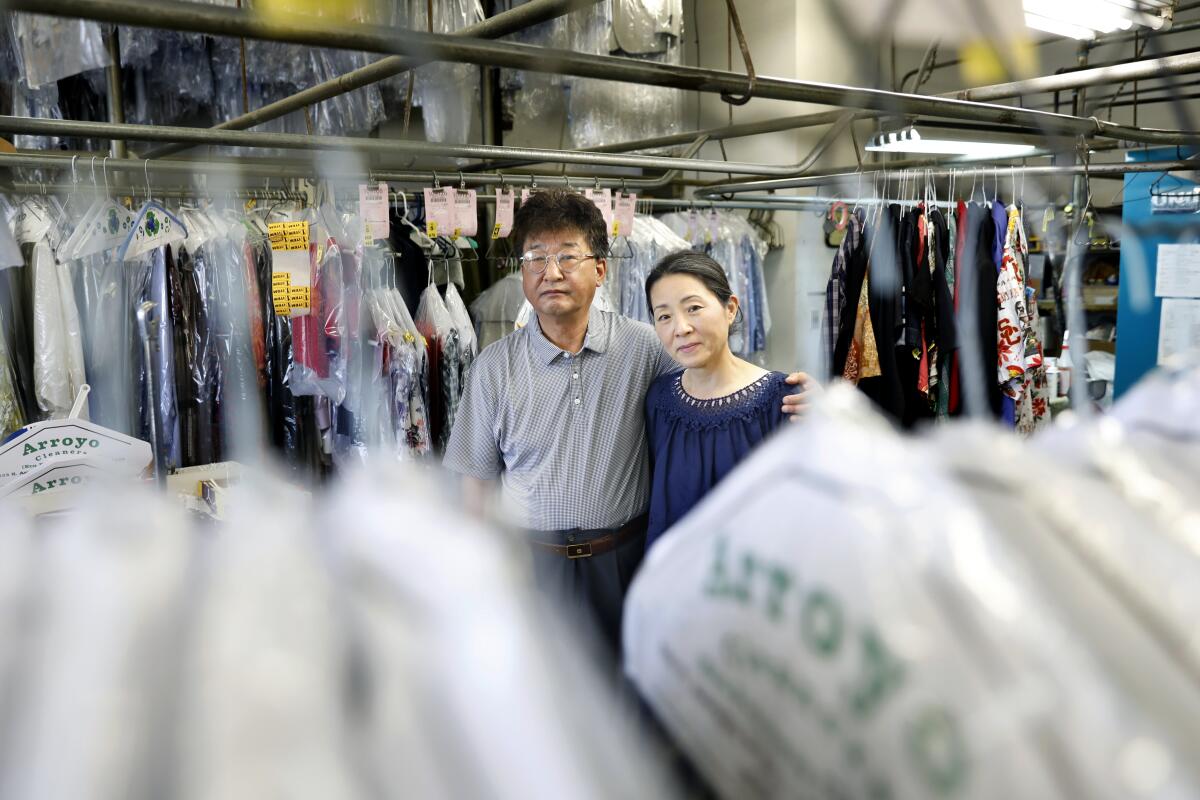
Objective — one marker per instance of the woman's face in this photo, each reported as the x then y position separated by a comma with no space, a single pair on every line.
690,320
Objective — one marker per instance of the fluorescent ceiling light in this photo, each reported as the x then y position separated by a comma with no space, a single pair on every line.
910,141
1083,19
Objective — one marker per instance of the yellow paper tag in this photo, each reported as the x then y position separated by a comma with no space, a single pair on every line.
368,234
251,204
298,297
1047,216
616,230
408,337
288,235
431,229
496,231
281,283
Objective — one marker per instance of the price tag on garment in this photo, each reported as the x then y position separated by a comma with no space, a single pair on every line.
288,236
439,212
504,213
693,225
466,213
32,222
373,211
713,228
623,209
281,285
602,199
291,267
524,196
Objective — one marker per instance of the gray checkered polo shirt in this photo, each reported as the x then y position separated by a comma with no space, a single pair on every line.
564,432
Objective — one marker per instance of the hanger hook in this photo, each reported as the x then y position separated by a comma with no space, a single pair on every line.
74,177
146,169
462,182
503,185
437,184
104,169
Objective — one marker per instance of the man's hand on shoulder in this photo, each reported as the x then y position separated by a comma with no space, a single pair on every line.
795,405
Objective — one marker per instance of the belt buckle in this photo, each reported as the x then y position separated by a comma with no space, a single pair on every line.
583,550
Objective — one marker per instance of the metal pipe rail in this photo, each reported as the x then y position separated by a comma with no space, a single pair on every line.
221,21
254,169
293,141
715,191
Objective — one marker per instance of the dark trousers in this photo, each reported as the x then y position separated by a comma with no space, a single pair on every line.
589,591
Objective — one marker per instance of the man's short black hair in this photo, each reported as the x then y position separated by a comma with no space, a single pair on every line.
559,209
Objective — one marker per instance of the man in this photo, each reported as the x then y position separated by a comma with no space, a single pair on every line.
554,411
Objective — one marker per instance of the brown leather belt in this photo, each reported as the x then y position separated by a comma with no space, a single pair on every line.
597,546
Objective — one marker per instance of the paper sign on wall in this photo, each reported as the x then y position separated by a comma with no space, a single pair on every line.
1179,327
504,213
439,212
1178,273
623,210
291,270
466,213
373,211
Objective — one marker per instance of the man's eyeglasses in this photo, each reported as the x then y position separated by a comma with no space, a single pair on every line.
567,262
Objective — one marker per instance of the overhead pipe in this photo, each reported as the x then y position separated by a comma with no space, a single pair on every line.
222,21
507,22
294,141
717,190
262,168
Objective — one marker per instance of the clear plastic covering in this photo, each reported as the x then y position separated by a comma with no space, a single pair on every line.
495,310
957,634
11,417
58,367
313,649
319,367
633,258
41,103
52,48
604,112
448,94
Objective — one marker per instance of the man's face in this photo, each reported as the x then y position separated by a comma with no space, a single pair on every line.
553,292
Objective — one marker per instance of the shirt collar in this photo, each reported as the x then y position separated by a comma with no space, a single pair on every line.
596,339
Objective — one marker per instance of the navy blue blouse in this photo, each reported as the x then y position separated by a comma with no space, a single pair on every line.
695,443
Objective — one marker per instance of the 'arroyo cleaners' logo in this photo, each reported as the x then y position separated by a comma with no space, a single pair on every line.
59,446
55,483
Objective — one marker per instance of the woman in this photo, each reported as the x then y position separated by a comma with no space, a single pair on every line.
701,421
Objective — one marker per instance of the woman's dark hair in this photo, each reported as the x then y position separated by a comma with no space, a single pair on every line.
558,209
688,262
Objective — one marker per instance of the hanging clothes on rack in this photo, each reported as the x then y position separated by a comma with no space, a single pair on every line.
941,262
649,241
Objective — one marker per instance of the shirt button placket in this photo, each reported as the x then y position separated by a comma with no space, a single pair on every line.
576,384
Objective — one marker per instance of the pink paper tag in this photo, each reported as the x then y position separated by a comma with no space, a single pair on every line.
504,213
466,218
623,208
439,212
524,196
602,198
373,210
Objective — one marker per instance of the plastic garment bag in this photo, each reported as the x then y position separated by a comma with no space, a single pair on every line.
109,336
447,93
109,595
148,284
197,367
648,243
320,365
436,325
11,417
58,369
912,626
495,310
16,326
53,48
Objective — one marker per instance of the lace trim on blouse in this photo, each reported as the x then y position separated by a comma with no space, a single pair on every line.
745,403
